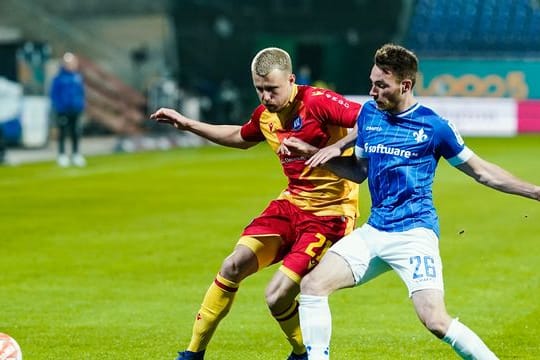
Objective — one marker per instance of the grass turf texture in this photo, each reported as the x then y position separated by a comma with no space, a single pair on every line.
111,261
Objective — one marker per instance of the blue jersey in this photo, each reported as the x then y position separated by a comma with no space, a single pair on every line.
402,152
67,92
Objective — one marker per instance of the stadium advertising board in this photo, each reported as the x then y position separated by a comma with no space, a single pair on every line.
477,116
529,116
515,79
483,116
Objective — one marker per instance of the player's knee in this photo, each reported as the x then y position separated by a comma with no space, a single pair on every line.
280,295
237,267
310,285
430,308
437,324
273,299
231,269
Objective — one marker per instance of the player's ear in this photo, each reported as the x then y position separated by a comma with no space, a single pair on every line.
292,78
406,85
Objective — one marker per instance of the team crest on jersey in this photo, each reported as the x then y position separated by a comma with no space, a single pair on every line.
297,123
420,135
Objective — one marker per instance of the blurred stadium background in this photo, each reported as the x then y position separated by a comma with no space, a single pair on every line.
111,261
194,55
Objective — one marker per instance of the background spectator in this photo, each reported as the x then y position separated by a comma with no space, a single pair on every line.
67,98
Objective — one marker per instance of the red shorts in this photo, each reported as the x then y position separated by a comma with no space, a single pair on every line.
305,237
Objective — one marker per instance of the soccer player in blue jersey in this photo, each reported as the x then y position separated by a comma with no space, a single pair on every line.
398,145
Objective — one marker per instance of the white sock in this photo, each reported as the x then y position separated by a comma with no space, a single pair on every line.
316,325
466,343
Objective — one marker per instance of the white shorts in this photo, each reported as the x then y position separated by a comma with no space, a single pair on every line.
413,254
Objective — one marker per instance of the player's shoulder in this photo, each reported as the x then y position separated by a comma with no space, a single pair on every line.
314,94
423,110
307,93
437,122
251,130
433,116
320,97
370,105
369,108
256,115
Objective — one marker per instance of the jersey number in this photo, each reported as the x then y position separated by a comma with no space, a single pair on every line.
429,266
322,243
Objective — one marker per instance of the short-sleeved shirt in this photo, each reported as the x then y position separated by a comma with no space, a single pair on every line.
319,117
403,151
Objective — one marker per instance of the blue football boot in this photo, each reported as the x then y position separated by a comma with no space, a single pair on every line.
190,355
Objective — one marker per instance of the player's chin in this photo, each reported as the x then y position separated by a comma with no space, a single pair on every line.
273,108
381,105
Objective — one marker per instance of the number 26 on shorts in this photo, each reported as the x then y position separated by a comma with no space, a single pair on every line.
424,266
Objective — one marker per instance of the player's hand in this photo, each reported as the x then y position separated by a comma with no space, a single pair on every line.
293,145
172,117
324,155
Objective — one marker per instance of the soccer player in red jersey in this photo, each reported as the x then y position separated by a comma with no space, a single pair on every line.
315,210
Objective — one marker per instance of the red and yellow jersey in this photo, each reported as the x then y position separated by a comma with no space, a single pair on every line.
319,117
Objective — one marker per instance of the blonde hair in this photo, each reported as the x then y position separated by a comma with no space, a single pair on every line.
270,59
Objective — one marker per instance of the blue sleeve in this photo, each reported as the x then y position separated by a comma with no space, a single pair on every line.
359,145
451,145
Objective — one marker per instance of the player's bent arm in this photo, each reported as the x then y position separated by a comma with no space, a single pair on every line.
348,167
322,156
348,140
495,177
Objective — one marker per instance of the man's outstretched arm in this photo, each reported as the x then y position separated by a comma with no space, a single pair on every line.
226,135
497,178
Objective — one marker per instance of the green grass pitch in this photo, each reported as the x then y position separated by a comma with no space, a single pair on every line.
111,261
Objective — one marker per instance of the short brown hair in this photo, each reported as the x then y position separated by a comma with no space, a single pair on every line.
398,60
270,59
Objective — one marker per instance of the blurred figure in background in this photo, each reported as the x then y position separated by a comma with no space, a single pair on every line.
304,75
228,102
2,147
68,101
